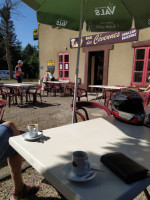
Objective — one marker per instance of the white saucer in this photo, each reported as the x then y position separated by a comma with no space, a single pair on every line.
68,173
27,137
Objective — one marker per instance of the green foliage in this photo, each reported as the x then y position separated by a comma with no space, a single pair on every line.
31,64
16,52
3,62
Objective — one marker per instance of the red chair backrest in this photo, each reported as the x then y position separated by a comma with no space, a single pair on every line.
2,108
82,104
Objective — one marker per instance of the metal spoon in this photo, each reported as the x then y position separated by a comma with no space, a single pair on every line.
96,169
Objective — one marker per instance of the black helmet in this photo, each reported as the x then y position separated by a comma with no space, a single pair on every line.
127,105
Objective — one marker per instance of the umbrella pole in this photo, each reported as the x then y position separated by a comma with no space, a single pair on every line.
77,65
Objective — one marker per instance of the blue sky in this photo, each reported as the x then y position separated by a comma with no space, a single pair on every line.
24,25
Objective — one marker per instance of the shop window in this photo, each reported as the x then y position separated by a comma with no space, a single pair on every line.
63,65
141,66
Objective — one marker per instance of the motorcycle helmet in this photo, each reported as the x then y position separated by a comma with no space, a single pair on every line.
127,106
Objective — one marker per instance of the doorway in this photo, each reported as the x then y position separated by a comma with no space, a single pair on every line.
96,65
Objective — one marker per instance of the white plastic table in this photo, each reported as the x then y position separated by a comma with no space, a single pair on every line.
98,87
108,87
61,83
96,137
22,86
58,82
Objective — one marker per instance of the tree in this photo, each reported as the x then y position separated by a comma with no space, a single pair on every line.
16,52
31,62
3,62
7,8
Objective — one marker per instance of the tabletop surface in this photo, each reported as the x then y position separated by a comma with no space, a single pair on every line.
19,84
96,137
58,82
107,86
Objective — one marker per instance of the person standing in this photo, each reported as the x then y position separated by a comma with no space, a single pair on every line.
18,71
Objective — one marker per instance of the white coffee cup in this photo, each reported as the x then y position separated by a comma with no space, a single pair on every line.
33,130
80,163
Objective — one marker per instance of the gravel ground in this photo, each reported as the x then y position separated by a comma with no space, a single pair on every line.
53,112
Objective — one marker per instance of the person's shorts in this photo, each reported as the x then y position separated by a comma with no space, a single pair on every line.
5,149
19,79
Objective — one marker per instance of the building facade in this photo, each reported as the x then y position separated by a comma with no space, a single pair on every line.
113,58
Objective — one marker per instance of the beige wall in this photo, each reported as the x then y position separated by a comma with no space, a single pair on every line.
53,41
120,64
144,34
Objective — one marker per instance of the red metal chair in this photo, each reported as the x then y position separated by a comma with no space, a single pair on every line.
108,94
2,108
3,92
48,88
81,93
13,93
34,91
80,105
146,98
57,88
69,89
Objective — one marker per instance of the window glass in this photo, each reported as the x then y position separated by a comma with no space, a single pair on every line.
61,58
139,65
138,77
66,58
148,74
66,74
61,74
66,66
60,66
63,65
148,67
140,53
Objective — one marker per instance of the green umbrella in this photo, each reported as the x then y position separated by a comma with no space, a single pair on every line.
99,16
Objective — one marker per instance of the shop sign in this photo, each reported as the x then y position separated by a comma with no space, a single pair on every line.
51,63
35,34
51,66
105,38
